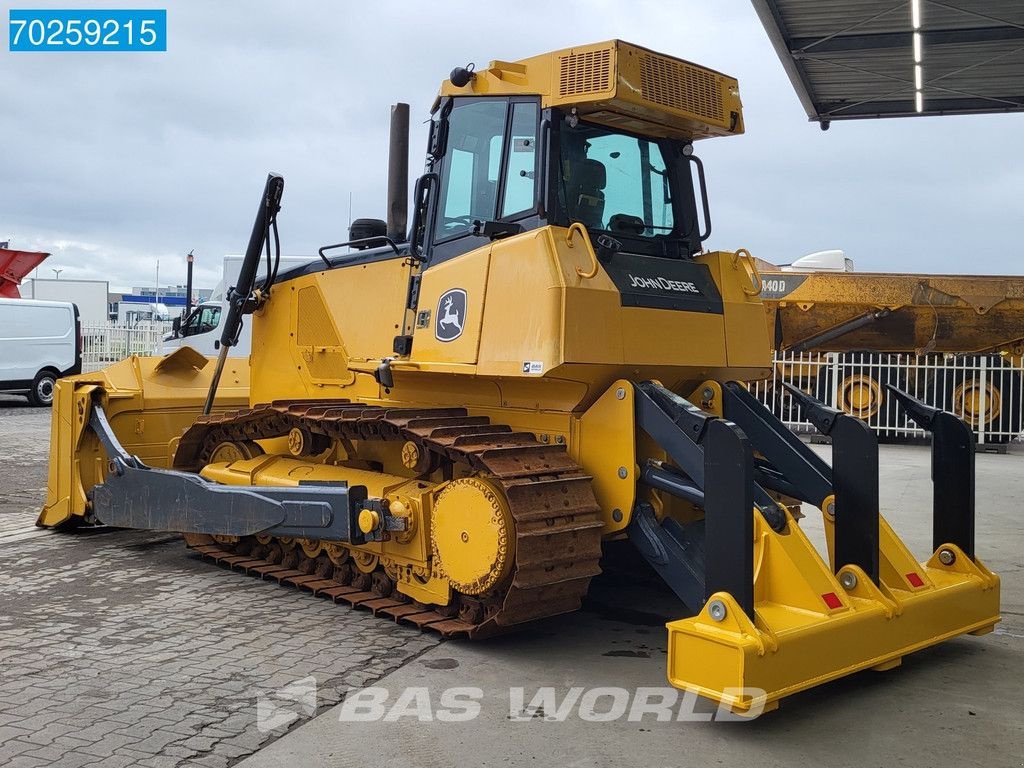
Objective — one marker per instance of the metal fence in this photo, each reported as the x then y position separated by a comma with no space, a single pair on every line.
110,342
984,390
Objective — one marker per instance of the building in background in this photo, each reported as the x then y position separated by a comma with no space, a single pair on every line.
169,298
90,296
173,292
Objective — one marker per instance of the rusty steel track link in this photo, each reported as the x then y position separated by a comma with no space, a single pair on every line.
556,517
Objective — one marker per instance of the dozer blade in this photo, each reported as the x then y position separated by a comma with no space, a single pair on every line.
149,402
776,618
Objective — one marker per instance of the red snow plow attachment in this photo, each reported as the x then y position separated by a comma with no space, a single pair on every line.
14,265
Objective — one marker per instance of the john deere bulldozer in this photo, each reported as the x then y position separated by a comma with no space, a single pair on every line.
443,420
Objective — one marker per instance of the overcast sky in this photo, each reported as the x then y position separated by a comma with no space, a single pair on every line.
113,161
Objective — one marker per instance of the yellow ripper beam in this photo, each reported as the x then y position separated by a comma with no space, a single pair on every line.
812,626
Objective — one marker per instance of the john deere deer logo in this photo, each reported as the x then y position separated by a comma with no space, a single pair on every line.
451,315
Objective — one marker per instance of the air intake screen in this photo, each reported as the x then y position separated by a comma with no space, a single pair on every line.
315,328
676,85
588,72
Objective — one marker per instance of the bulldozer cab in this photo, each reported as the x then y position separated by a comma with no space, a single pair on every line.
506,165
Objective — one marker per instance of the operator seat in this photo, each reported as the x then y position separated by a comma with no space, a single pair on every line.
585,193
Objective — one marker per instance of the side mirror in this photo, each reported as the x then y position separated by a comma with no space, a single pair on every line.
438,138
421,207
438,141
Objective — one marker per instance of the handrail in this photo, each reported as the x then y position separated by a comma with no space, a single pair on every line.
755,274
594,267
379,239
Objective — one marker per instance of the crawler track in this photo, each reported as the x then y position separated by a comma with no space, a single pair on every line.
556,517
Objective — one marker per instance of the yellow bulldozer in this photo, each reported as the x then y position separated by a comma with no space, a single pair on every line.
445,423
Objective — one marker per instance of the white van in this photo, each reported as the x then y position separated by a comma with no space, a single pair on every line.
40,341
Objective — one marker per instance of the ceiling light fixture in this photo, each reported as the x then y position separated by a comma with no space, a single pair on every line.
915,21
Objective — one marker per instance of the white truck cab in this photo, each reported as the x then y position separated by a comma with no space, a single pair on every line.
200,329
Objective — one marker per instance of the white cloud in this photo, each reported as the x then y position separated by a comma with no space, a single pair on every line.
129,158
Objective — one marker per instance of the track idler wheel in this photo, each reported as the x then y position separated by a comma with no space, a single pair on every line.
473,535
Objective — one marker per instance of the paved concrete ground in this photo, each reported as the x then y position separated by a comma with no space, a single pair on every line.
118,648
955,704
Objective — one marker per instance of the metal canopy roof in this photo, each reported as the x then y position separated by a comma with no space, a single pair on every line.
851,59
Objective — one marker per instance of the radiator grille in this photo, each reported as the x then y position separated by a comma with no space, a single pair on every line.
328,364
314,327
680,86
588,72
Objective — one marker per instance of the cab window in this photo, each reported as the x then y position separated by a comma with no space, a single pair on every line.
208,319
203,320
521,173
489,170
615,181
469,177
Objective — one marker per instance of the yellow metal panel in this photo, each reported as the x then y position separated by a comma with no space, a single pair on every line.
367,303
665,337
318,331
620,85
541,310
468,273
523,311
604,444
748,340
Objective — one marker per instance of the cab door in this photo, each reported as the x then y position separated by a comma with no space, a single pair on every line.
487,173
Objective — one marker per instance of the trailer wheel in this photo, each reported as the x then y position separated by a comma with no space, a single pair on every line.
996,406
860,392
43,387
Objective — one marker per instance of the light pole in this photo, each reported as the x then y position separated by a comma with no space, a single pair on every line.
188,285
56,272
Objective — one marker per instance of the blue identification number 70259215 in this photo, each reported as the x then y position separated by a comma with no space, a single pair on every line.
87,29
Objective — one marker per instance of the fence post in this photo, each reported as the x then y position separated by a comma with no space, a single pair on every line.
982,398
834,394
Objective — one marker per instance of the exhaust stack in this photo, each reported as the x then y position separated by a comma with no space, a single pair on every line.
398,174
